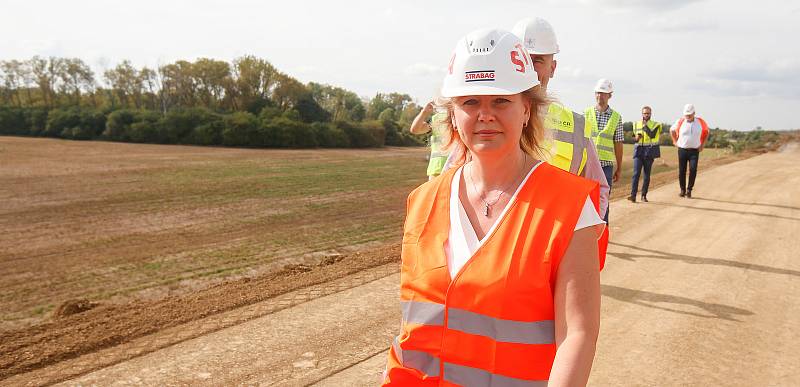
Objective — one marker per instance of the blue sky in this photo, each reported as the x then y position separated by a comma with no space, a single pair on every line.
737,61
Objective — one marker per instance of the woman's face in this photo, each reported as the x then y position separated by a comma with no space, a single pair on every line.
491,124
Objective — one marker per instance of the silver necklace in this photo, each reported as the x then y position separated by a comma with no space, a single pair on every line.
487,205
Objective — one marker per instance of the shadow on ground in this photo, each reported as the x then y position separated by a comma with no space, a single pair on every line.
658,301
749,213
655,254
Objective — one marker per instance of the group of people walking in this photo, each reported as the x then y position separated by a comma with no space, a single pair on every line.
688,134
503,246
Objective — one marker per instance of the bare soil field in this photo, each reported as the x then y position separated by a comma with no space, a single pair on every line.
104,243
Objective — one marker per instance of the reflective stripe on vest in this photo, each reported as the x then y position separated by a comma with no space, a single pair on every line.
417,360
521,332
429,365
646,139
493,323
570,154
603,139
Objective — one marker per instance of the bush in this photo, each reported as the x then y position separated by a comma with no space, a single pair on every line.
269,113
284,132
299,134
12,121
146,127
179,125
118,125
329,136
209,133
274,135
61,121
79,133
36,120
365,135
240,129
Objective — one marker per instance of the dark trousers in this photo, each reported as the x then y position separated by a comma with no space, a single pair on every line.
609,172
640,163
687,156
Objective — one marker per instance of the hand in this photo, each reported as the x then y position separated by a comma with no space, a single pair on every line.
428,107
615,177
700,149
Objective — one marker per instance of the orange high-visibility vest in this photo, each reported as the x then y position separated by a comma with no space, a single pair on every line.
677,129
493,324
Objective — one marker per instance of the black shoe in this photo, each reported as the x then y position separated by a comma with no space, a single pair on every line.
688,194
682,194
632,199
644,198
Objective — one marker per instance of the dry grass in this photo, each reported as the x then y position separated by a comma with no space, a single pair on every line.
107,221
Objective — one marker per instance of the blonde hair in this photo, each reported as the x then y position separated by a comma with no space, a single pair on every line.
533,135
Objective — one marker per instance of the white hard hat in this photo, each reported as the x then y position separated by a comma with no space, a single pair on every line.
688,109
489,62
604,86
537,35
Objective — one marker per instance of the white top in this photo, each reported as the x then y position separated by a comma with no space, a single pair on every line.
462,242
688,134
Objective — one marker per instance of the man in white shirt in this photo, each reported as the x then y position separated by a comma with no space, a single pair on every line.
689,134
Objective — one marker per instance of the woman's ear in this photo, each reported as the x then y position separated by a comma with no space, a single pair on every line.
527,103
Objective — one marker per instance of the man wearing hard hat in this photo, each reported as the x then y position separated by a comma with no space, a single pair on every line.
606,126
572,149
689,135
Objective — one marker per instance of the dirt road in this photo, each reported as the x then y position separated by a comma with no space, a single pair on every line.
695,292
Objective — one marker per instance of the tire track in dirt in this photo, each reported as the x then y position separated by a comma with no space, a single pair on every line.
61,344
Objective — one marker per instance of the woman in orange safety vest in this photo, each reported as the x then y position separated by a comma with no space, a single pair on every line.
499,278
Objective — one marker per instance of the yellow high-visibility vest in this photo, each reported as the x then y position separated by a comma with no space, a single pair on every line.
603,139
570,152
646,139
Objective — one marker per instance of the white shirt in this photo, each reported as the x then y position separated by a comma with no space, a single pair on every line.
462,242
688,134
592,171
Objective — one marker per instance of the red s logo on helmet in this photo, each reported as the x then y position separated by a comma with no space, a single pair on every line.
520,51
518,62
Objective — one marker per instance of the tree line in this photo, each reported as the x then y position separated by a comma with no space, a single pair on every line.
246,102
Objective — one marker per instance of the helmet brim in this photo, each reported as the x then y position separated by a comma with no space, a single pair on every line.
483,90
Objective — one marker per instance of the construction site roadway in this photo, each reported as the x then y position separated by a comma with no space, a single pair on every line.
700,291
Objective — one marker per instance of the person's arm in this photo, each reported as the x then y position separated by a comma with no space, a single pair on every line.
673,132
703,133
419,125
637,135
594,171
618,139
577,310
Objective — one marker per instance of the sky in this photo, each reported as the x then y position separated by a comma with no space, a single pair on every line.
737,61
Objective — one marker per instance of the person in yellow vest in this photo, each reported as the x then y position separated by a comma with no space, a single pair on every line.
498,283
647,134
428,121
574,150
606,125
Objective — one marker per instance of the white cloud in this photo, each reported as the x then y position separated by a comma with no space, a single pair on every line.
424,70
630,5
682,24
780,71
779,79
